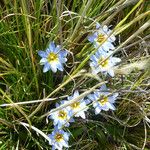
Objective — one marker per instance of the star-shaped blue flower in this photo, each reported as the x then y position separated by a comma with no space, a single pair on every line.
102,35
102,100
59,139
99,63
62,117
78,108
53,58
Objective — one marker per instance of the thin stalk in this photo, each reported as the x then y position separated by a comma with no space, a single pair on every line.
80,19
36,130
29,37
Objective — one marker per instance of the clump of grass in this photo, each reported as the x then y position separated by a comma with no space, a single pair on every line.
26,27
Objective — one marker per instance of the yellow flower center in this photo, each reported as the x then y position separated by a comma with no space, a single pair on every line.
58,137
103,101
52,57
100,38
62,114
102,62
75,105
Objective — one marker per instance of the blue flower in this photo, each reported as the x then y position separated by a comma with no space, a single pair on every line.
53,58
100,36
99,64
59,139
79,107
61,117
103,100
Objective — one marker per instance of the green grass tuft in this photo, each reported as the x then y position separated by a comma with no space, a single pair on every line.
29,26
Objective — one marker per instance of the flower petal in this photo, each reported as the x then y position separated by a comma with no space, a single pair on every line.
43,61
97,110
98,25
109,45
111,106
57,49
53,66
92,38
82,114
76,94
63,53
59,66
111,72
42,54
52,46
46,67
105,28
